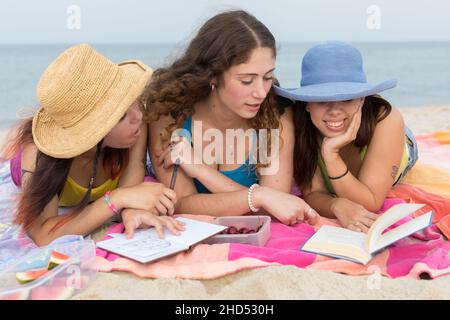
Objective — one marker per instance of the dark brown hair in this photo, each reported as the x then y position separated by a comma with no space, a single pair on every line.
50,174
308,137
225,40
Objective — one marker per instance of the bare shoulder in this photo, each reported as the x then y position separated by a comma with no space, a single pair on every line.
29,155
287,117
287,126
390,130
394,118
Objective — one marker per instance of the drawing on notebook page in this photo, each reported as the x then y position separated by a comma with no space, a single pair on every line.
147,246
150,243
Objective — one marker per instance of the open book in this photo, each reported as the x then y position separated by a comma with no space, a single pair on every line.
146,246
360,247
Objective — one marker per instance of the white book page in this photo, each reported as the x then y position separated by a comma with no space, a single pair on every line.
141,247
339,236
195,231
390,217
146,242
402,231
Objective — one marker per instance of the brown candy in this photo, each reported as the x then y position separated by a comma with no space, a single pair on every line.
234,230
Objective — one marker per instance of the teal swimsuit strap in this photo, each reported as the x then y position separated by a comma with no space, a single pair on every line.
187,125
252,147
240,174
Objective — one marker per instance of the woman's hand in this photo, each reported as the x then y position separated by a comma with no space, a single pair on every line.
147,196
331,146
287,208
134,219
179,150
353,216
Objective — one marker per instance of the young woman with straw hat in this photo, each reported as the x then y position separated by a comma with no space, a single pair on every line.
351,145
84,148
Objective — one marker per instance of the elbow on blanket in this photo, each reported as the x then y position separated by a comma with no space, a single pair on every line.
41,238
374,206
41,242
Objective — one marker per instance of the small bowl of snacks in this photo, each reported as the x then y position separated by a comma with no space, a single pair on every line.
254,230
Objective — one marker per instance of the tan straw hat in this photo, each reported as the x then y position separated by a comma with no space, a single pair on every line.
82,97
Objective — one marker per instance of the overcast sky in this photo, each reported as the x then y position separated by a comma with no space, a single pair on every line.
173,21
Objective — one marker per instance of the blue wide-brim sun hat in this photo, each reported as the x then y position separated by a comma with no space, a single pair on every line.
333,71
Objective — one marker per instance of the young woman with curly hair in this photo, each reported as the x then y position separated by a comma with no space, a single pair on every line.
223,81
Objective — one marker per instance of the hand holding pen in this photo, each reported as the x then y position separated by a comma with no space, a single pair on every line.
178,154
174,174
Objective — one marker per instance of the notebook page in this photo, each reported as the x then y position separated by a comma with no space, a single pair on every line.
141,247
195,231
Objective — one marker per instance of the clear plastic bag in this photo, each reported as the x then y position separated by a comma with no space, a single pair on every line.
69,278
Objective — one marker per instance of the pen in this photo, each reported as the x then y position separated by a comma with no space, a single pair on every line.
174,173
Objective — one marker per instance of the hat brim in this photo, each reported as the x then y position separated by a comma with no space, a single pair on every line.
334,91
64,143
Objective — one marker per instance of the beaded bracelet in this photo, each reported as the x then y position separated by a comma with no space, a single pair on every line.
107,201
249,197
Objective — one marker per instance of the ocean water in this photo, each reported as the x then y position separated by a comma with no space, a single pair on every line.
422,69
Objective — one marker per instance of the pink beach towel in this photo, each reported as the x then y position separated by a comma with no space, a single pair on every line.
424,254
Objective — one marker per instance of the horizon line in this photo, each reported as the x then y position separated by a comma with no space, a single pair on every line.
181,42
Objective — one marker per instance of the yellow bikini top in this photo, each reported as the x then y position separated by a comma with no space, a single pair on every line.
73,193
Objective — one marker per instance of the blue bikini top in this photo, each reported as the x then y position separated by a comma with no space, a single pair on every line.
244,175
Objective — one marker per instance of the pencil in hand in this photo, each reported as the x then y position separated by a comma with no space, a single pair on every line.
174,174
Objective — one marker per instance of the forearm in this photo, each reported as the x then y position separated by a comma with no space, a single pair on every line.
321,202
350,187
89,219
215,181
356,191
218,204
133,177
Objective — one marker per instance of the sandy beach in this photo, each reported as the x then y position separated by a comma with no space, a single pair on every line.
282,282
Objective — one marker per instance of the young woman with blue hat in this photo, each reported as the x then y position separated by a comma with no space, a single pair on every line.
351,145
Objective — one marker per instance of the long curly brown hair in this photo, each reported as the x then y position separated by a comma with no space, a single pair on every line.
225,40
